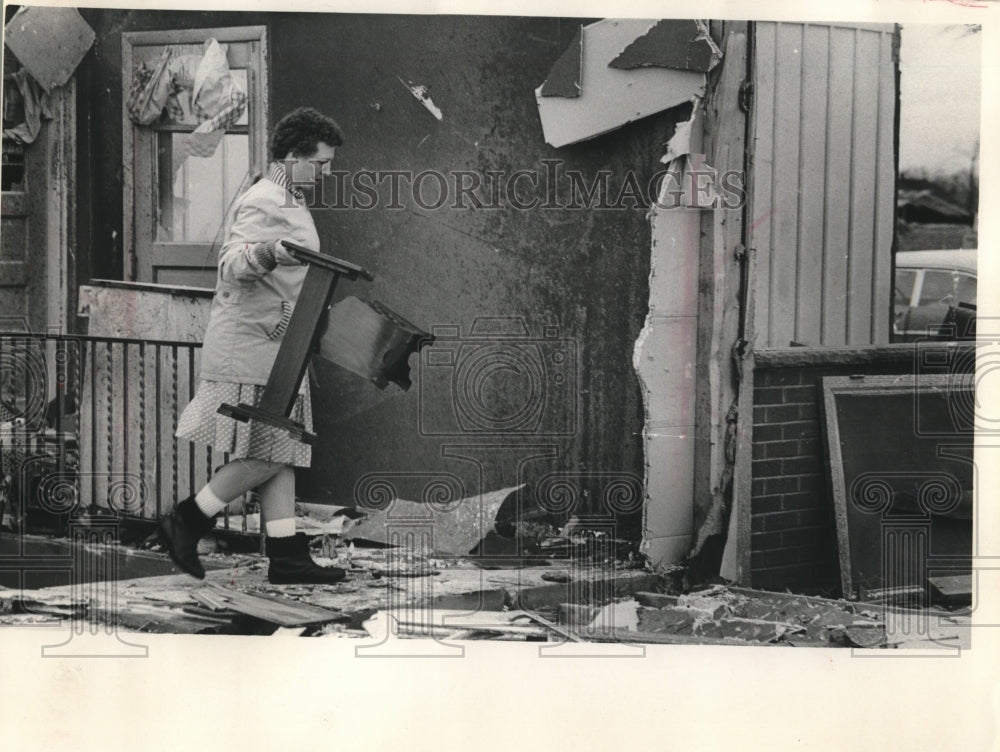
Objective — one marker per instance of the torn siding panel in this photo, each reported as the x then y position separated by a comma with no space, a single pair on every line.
823,109
665,357
564,78
680,44
609,97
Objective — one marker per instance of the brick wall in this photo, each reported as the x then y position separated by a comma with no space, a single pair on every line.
793,535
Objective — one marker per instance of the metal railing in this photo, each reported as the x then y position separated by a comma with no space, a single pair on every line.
87,423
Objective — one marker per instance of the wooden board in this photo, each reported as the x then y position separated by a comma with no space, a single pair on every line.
281,611
952,589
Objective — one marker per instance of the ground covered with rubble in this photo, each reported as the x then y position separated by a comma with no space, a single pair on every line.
405,594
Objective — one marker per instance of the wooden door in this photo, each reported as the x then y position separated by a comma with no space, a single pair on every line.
176,202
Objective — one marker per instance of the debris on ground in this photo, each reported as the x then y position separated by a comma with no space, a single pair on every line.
584,588
458,524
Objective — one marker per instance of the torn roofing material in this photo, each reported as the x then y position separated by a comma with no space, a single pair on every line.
457,526
564,77
613,97
679,44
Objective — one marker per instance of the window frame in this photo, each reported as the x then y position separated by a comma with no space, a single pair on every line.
139,156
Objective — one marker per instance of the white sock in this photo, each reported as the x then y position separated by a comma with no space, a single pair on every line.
280,528
209,504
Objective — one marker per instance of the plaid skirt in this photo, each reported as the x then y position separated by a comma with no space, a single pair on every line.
201,423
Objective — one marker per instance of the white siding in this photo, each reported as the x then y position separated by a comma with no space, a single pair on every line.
822,182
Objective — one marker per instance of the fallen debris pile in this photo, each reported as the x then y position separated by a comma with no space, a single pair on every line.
732,616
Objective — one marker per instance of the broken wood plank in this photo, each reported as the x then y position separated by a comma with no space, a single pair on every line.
629,636
217,616
423,626
951,589
157,619
280,611
554,627
208,600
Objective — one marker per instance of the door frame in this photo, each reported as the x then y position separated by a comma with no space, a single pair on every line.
258,111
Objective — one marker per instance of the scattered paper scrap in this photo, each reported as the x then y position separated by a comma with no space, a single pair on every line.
420,92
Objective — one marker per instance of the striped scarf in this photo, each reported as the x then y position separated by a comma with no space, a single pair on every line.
276,174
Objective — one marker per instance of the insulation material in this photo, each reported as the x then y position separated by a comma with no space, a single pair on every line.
610,97
49,42
457,526
682,45
564,80
680,143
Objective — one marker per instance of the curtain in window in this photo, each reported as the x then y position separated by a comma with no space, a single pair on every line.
194,90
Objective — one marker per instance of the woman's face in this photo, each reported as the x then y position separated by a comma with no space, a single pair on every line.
310,168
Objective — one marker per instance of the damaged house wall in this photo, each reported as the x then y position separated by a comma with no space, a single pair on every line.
572,278
820,162
820,225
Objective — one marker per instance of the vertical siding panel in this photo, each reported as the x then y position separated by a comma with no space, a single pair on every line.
784,240
838,176
885,194
812,184
866,84
763,164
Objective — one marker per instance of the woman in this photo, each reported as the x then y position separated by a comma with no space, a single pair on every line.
257,285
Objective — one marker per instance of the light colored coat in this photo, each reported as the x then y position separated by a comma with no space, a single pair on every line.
254,299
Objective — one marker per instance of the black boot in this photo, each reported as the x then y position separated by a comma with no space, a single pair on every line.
291,563
181,530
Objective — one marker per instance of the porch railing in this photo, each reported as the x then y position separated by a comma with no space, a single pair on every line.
88,423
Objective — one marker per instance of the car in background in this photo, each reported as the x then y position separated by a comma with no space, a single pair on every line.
934,294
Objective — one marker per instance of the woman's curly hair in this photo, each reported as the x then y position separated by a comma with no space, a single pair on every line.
301,130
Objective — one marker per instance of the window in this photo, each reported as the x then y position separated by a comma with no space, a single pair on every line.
947,287
179,181
904,286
